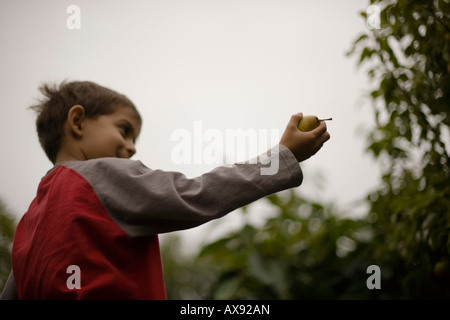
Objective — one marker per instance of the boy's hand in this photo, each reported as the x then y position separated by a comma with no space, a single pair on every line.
304,144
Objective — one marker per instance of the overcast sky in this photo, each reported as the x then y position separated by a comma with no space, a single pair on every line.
231,64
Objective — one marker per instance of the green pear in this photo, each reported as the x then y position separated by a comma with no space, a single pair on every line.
308,123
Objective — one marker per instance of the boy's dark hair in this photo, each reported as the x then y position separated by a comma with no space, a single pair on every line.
54,108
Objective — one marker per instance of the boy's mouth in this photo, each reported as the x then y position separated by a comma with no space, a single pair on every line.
119,155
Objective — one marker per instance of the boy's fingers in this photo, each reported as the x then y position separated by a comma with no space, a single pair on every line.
295,118
320,129
321,132
325,137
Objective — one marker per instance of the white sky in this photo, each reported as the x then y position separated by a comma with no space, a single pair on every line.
231,64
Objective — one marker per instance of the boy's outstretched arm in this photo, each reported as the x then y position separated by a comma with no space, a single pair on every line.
304,144
145,201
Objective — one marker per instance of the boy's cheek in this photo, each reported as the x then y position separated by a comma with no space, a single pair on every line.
95,150
102,144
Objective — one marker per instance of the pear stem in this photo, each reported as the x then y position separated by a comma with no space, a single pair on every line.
326,119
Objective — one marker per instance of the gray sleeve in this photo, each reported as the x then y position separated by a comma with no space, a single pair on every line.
9,290
145,201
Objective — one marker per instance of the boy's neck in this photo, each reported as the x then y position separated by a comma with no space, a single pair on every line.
64,156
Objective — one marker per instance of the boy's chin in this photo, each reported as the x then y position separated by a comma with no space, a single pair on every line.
121,155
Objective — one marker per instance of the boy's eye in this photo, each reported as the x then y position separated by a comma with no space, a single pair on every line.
125,131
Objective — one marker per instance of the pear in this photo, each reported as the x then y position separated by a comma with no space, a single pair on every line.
308,123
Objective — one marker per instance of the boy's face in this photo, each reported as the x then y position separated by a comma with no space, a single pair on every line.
110,135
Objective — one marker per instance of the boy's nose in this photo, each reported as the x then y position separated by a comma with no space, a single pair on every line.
131,149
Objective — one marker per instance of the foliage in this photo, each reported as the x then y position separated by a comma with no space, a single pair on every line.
409,63
7,227
185,276
303,252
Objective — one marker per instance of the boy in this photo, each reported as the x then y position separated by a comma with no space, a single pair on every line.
92,230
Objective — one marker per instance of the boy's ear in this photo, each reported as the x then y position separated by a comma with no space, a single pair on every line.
75,120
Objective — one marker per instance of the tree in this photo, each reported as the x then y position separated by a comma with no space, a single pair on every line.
7,227
409,65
